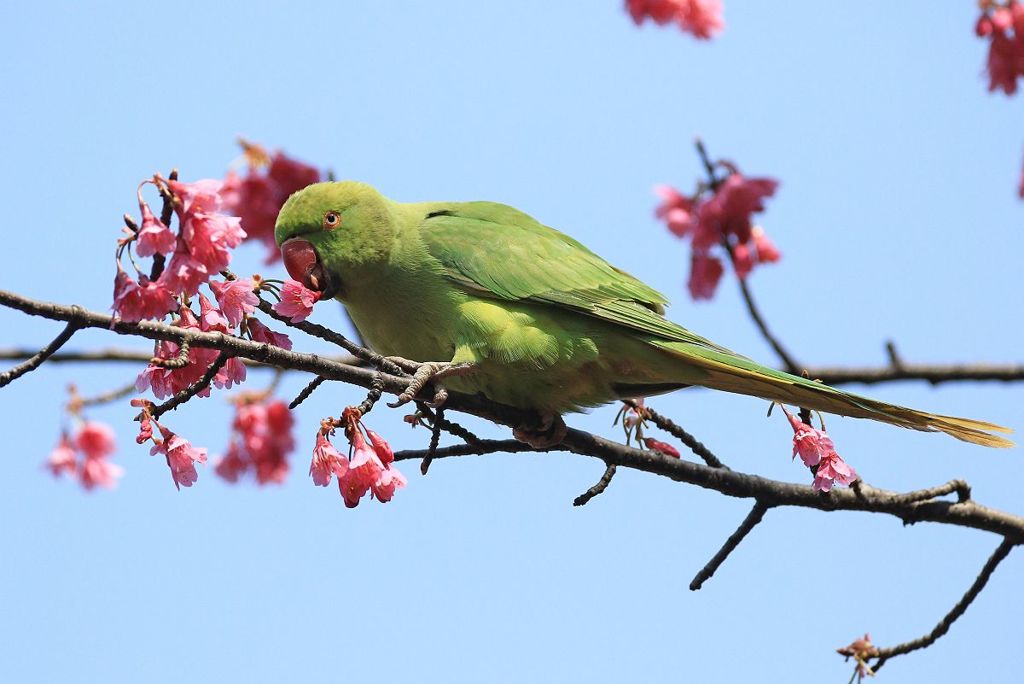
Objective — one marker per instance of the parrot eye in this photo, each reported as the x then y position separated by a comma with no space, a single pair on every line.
332,220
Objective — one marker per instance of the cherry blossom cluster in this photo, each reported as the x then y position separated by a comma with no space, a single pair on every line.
1002,23
719,221
702,18
183,261
85,456
369,466
261,440
258,196
818,453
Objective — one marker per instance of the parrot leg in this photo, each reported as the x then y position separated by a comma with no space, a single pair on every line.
549,433
430,372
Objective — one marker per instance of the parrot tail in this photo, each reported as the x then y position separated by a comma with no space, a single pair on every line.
729,373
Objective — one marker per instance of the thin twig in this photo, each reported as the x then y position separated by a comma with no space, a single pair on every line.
481,448
316,330
107,397
435,438
195,388
1001,552
40,356
751,521
374,395
669,426
115,355
306,391
449,426
598,488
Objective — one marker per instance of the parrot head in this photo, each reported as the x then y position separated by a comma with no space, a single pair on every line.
330,231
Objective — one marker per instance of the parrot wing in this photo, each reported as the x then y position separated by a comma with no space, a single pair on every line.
493,250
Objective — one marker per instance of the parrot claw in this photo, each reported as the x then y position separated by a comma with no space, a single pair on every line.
431,372
549,433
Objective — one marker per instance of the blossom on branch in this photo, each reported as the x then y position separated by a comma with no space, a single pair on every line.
86,455
258,196
261,440
719,222
702,18
1003,26
236,298
296,301
181,457
817,451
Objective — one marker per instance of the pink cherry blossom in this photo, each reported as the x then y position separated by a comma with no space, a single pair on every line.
232,373
206,234
135,301
702,18
154,237
233,464
389,480
676,210
327,461
364,469
261,440
261,333
95,440
210,317
99,472
815,448
181,457
183,273
705,272
729,211
381,447
766,250
62,458
860,650
296,301
258,197
663,447
236,298
742,260
833,470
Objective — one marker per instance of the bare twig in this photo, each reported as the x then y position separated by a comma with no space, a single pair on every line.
1001,552
935,374
435,438
751,521
115,355
107,397
40,356
316,330
306,391
598,488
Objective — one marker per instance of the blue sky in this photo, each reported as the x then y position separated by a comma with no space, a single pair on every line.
896,217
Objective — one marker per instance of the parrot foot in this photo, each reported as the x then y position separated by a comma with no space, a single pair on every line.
549,433
430,372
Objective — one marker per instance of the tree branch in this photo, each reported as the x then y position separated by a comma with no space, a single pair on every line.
37,359
1001,552
749,523
729,482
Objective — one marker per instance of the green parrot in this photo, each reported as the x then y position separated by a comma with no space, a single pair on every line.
491,301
